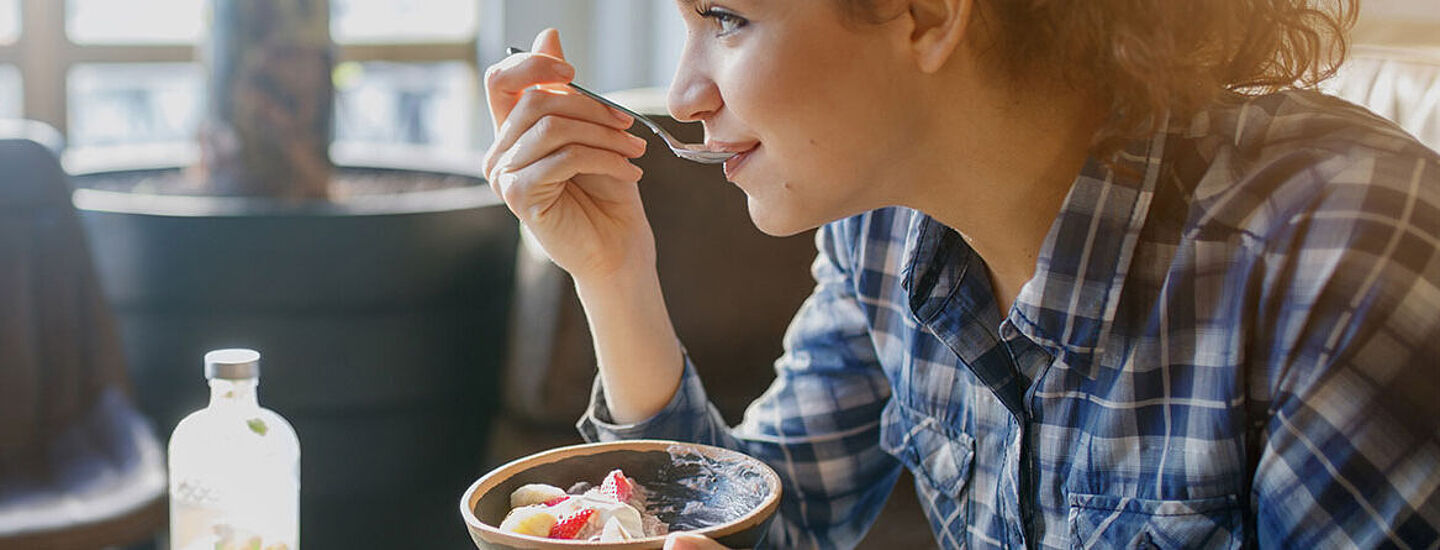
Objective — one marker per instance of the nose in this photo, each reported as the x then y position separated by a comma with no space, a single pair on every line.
693,95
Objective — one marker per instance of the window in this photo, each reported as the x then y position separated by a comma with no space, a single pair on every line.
114,73
157,22
9,21
381,21
139,103
11,91
11,97
415,104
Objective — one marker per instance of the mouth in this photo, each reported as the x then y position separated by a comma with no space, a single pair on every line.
742,152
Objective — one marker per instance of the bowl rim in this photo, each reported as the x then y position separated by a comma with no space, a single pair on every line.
494,477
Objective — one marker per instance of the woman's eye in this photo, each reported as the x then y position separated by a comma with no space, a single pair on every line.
726,21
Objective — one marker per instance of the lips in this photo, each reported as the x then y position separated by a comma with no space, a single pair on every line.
742,153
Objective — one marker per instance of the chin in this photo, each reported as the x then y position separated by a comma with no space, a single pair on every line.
778,223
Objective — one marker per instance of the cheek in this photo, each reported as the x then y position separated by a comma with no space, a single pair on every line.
769,91
796,113
757,98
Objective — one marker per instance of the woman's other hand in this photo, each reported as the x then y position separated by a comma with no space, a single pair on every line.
561,162
688,541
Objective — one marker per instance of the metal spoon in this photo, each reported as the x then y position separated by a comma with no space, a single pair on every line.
688,151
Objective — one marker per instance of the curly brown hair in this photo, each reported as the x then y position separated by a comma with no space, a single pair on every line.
1150,58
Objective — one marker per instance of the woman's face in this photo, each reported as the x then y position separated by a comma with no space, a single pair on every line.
816,104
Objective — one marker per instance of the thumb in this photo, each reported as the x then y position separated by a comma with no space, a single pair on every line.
548,43
687,541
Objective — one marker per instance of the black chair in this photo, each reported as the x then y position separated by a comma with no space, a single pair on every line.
80,468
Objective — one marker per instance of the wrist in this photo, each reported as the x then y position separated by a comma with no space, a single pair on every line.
635,345
628,283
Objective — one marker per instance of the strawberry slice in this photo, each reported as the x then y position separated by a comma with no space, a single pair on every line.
617,486
570,524
556,500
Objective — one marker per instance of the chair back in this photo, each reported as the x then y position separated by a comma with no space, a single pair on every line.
1400,84
79,466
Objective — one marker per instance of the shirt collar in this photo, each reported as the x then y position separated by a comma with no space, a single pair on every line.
948,292
1070,303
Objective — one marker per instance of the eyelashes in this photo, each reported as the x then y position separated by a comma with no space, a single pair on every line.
725,21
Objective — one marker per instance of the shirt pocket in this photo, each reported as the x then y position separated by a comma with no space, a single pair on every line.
939,454
1100,521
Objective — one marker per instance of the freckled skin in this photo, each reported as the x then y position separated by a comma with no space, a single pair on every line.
793,74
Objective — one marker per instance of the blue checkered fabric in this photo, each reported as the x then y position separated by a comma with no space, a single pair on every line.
1232,339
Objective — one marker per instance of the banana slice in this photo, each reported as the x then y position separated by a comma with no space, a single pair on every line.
534,493
529,521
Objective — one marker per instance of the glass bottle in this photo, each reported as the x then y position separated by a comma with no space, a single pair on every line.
234,466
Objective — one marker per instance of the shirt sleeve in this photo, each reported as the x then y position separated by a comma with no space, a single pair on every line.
818,425
1349,442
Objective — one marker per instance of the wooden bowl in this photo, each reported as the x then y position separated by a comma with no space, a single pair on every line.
737,509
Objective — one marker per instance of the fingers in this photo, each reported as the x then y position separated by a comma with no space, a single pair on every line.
552,133
687,541
540,105
545,137
506,80
548,43
530,191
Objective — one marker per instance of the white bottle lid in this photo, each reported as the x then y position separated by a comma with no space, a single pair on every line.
232,364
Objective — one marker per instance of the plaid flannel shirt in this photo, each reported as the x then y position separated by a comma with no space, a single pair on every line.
1231,339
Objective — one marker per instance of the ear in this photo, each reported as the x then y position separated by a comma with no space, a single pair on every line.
938,28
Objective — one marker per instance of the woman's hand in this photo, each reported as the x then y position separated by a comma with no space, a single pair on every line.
560,161
687,541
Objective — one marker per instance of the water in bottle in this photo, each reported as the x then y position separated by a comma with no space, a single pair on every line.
234,466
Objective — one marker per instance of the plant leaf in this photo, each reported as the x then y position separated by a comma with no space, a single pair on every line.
258,426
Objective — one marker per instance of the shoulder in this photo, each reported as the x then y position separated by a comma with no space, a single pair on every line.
1265,166
1338,211
1265,125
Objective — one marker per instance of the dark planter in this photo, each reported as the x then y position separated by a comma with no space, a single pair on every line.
381,320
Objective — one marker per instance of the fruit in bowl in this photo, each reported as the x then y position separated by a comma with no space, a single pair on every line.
672,486
613,512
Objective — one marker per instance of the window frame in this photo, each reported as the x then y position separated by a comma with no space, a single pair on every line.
44,54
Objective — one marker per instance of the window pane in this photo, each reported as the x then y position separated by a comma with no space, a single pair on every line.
135,21
9,21
11,94
114,104
403,20
427,104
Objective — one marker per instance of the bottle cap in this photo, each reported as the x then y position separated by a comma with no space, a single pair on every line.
232,364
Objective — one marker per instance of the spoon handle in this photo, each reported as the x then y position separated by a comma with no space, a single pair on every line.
512,50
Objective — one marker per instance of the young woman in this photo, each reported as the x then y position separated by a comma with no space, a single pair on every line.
1091,270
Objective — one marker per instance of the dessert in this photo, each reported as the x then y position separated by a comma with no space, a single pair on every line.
611,512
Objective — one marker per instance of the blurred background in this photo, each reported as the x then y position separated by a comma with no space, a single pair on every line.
406,385
109,73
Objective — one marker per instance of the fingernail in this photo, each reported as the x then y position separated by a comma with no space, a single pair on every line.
680,541
622,117
565,71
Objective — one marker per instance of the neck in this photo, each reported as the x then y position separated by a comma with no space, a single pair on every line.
233,393
1002,183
